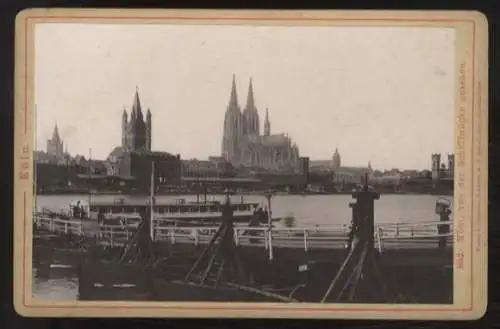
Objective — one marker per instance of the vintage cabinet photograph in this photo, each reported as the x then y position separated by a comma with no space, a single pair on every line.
174,161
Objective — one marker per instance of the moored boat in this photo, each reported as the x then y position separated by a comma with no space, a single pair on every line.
180,212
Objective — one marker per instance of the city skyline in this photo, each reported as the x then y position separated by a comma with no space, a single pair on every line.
188,99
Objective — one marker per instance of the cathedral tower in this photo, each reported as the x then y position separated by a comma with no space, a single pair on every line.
232,130
250,115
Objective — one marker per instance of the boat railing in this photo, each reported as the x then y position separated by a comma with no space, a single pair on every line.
58,225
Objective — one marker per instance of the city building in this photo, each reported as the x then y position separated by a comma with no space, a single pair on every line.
341,174
244,145
213,167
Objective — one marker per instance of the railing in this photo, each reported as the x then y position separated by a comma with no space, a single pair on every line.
114,235
57,225
411,230
332,236
317,237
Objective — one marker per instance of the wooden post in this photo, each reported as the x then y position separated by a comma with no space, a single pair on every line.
270,243
306,242
236,238
196,237
152,203
172,235
365,212
269,212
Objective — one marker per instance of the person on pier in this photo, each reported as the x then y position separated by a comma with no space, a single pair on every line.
254,222
77,210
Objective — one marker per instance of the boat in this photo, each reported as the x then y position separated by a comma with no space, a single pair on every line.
180,212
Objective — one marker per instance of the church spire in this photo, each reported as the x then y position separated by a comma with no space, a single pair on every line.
55,133
136,107
250,101
233,101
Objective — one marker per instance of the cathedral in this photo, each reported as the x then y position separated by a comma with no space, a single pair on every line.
136,132
243,144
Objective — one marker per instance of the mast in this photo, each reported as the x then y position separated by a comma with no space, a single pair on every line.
90,176
35,164
152,201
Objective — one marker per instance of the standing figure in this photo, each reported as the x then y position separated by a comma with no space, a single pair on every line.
254,222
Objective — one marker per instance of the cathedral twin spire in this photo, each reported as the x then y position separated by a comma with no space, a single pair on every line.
250,117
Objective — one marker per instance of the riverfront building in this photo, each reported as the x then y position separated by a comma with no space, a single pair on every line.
341,174
244,145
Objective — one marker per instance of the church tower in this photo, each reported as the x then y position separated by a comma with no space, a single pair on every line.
233,127
55,145
250,115
267,124
336,160
135,135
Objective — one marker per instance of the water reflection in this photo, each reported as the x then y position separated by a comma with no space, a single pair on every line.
62,288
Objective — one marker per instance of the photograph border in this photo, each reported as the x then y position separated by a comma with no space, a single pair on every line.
471,166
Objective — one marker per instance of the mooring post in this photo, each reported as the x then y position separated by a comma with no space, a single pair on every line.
365,201
354,224
444,212
362,245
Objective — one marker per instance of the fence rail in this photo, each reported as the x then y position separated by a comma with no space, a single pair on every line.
316,237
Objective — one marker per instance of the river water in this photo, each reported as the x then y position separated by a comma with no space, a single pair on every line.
308,210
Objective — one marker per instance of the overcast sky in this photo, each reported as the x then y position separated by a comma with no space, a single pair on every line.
384,95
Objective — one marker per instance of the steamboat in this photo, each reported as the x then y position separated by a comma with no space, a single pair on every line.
178,213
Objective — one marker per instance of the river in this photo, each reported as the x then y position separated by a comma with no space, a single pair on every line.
308,210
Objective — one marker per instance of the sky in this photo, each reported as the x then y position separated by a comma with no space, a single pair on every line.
379,94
